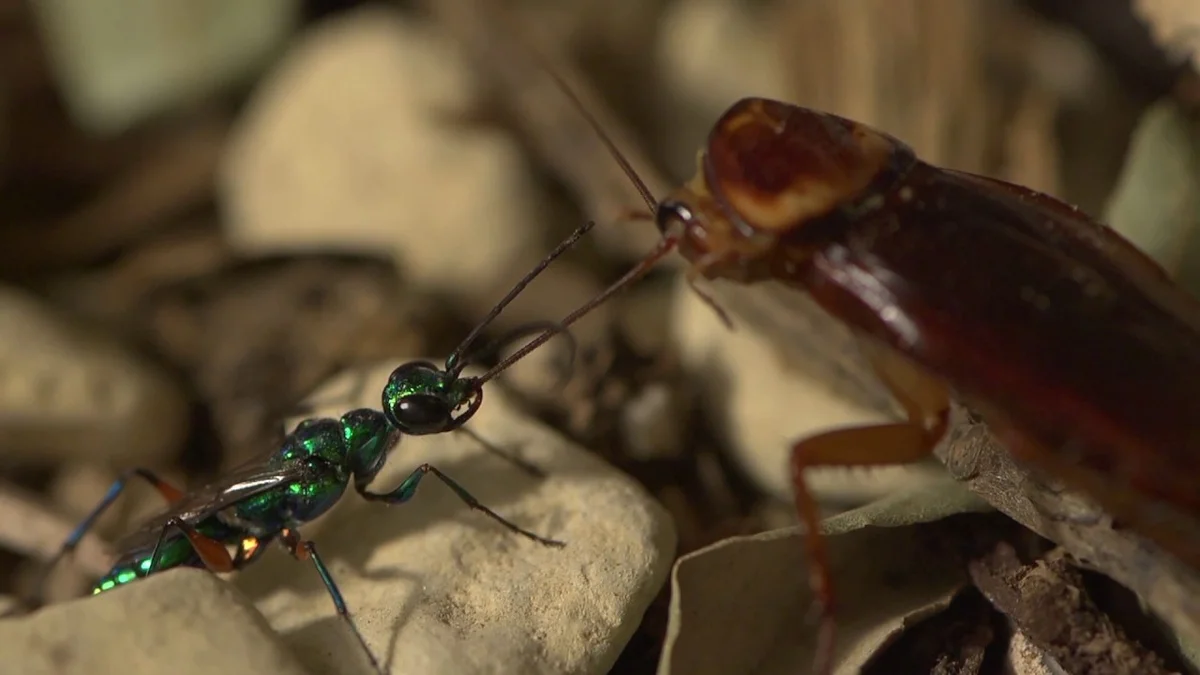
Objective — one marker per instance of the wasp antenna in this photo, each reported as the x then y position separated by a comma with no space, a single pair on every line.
549,328
456,361
641,269
525,331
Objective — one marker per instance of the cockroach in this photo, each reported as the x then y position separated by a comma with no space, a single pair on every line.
1076,349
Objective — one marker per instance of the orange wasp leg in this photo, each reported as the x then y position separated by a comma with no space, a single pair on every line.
212,552
926,403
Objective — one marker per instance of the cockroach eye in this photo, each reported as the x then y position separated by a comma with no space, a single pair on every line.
672,215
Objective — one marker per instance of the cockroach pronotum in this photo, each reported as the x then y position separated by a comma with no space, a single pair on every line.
1077,350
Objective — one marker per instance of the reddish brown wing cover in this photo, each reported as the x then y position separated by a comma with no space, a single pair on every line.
1027,308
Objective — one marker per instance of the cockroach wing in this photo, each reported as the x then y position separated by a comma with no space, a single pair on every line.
1051,325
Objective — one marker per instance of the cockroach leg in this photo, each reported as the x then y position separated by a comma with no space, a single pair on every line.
691,275
895,443
926,403
637,215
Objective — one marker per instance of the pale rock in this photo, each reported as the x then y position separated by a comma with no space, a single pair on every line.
1025,658
1174,25
183,622
30,529
716,51
763,405
438,588
711,53
118,62
352,144
67,393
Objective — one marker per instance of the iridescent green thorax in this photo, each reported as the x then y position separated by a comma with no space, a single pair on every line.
366,435
322,438
319,443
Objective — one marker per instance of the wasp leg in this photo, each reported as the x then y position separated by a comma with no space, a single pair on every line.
516,461
169,492
249,549
926,404
302,550
408,488
212,552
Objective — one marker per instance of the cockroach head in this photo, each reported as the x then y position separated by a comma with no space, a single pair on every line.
769,168
707,235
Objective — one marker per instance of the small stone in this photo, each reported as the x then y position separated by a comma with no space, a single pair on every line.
1174,24
438,588
351,144
183,622
1025,658
66,393
710,54
120,61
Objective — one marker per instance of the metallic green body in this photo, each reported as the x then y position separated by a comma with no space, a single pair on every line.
321,455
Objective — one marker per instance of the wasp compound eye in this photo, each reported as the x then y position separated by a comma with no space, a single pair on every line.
419,414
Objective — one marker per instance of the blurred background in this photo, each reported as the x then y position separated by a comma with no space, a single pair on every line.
209,207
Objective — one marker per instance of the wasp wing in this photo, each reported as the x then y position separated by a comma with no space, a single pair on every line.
226,490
